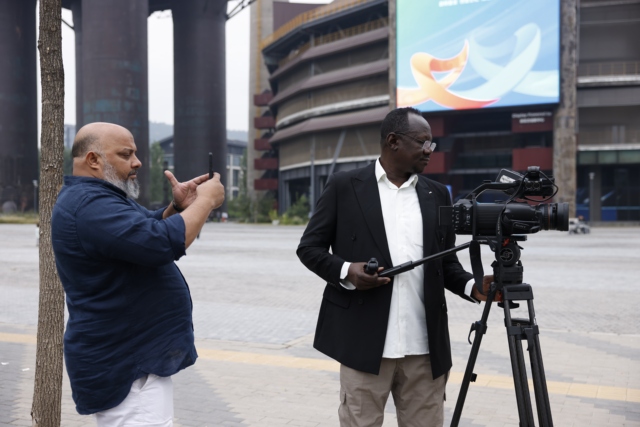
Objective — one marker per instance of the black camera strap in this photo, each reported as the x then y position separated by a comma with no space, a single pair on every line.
476,264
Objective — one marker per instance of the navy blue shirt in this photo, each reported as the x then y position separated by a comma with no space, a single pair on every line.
129,305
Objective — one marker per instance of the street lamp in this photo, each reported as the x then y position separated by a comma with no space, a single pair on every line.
35,195
593,206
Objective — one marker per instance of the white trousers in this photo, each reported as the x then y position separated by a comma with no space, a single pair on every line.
149,403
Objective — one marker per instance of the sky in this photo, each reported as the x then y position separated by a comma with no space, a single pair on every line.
160,48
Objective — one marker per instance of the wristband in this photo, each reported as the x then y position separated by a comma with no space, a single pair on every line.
175,207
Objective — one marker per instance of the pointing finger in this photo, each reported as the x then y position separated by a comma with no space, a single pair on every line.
172,179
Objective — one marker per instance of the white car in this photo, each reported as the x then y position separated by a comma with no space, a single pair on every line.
577,226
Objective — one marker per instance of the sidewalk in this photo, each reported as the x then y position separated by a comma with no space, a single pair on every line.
257,366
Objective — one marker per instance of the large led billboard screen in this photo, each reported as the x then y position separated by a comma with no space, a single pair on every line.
471,54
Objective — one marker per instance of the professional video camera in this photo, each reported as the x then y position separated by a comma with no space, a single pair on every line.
501,225
516,217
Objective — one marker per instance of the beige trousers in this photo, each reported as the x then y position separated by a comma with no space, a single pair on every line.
419,399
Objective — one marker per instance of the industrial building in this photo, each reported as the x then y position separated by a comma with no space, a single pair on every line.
325,79
112,82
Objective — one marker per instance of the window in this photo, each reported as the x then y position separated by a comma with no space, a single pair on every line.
588,157
607,157
631,156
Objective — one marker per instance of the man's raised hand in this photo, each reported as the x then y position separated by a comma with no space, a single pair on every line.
211,190
184,193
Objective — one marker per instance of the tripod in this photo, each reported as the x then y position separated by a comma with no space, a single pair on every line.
507,271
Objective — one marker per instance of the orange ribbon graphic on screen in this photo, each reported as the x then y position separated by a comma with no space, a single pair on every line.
423,66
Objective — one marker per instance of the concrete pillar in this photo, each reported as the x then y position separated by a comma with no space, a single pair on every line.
113,48
76,10
18,102
199,87
566,115
261,27
392,54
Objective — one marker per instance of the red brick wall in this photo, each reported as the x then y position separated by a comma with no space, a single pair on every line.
532,156
266,163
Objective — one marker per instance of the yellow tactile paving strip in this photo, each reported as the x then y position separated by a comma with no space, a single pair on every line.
591,391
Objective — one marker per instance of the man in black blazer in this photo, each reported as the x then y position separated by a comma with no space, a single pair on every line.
390,335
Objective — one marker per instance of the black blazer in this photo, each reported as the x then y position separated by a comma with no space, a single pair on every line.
352,325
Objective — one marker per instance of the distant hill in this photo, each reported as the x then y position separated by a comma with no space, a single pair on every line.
158,131
241,135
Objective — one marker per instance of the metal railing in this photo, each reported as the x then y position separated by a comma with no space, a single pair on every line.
294,54
309,16
352,31
335,36
609,135
626,68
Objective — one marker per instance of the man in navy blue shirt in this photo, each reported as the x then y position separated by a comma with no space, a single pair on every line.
130,326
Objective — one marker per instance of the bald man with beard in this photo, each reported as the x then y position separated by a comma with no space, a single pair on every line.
130,326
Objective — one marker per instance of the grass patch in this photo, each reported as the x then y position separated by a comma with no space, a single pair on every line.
18,218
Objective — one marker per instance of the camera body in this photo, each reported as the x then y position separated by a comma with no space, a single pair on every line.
468,216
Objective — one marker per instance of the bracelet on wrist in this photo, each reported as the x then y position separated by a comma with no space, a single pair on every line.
175,207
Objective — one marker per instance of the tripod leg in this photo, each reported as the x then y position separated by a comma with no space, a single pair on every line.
537,371
521,384
480,328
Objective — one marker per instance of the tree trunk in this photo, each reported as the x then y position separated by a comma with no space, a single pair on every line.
47,392
566,116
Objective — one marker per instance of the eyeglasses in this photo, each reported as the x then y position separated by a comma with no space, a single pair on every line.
426,145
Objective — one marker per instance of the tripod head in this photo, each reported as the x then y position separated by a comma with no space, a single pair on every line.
507,268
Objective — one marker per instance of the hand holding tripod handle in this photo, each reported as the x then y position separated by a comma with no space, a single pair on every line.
410,265
371,267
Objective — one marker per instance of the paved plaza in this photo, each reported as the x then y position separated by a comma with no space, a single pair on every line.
255,308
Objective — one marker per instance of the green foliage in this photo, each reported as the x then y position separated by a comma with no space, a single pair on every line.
285,219
67,169
298,212
264,205
156,172
300,207
19,218
242,208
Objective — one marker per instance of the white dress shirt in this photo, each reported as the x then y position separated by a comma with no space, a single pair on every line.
407,326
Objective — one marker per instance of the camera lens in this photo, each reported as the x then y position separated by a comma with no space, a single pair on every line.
555,216
562,217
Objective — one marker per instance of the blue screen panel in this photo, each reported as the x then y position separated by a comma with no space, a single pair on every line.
471,54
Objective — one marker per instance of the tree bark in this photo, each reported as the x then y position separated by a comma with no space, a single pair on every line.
47,393
566,116
393,58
